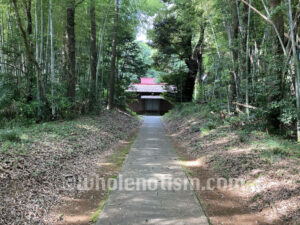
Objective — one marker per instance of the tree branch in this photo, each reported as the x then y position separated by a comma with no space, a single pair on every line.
269,21
243,105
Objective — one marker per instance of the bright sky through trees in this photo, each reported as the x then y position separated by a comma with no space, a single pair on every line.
143,28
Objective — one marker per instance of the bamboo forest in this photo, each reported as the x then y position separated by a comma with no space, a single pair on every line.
130,112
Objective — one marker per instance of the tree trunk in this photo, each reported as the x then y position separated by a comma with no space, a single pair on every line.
31,56
233,36
29,71
296,64
71,54
198,55
113,59
2,61
278,20
42,34
29,18
276,72
100,59
93,57
247,70
188,90
46,66
52,58
36,31
194,64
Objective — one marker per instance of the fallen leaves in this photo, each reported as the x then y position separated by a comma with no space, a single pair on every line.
30,183
272,190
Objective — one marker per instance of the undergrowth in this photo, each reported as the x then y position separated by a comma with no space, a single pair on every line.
203,119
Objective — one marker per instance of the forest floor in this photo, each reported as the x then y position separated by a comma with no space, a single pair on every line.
36,162
210,147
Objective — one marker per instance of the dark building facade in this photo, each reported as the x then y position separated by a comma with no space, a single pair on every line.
149,99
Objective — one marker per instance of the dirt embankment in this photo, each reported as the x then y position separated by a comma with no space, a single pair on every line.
270,193
34,169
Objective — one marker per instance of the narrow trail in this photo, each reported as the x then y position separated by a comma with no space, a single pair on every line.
152,186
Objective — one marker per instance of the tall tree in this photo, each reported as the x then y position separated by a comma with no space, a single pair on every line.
36,31
31,55
278,20
247,68
276,72
52,69
231,25
71,53
296,63
42,34
198,53
29,65
173,35
93,56
113,58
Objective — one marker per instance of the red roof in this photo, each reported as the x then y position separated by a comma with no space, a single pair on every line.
147,80
148,85
149,88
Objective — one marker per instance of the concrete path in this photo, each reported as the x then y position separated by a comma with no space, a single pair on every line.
152,161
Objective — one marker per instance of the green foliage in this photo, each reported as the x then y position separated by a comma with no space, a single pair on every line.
178,80
134,62
274,147
7,95
27,110
243,136
150,7
18,86
206,121
195,128
190,110
211,125
10,135
269,82
235,121
288,114
65,108
6,90
273,153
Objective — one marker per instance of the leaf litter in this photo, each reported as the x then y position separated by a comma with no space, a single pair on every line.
32,171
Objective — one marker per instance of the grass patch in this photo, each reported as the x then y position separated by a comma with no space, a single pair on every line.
99,209
10,135
188,110
211,125
243,136
205,131
13,140
118,157
195,128
272,147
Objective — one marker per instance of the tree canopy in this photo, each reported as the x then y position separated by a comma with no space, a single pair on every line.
242,56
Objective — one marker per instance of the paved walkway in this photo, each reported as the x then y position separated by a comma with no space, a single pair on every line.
152,158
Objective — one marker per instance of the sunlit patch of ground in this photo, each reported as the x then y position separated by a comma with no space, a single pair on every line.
193,163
